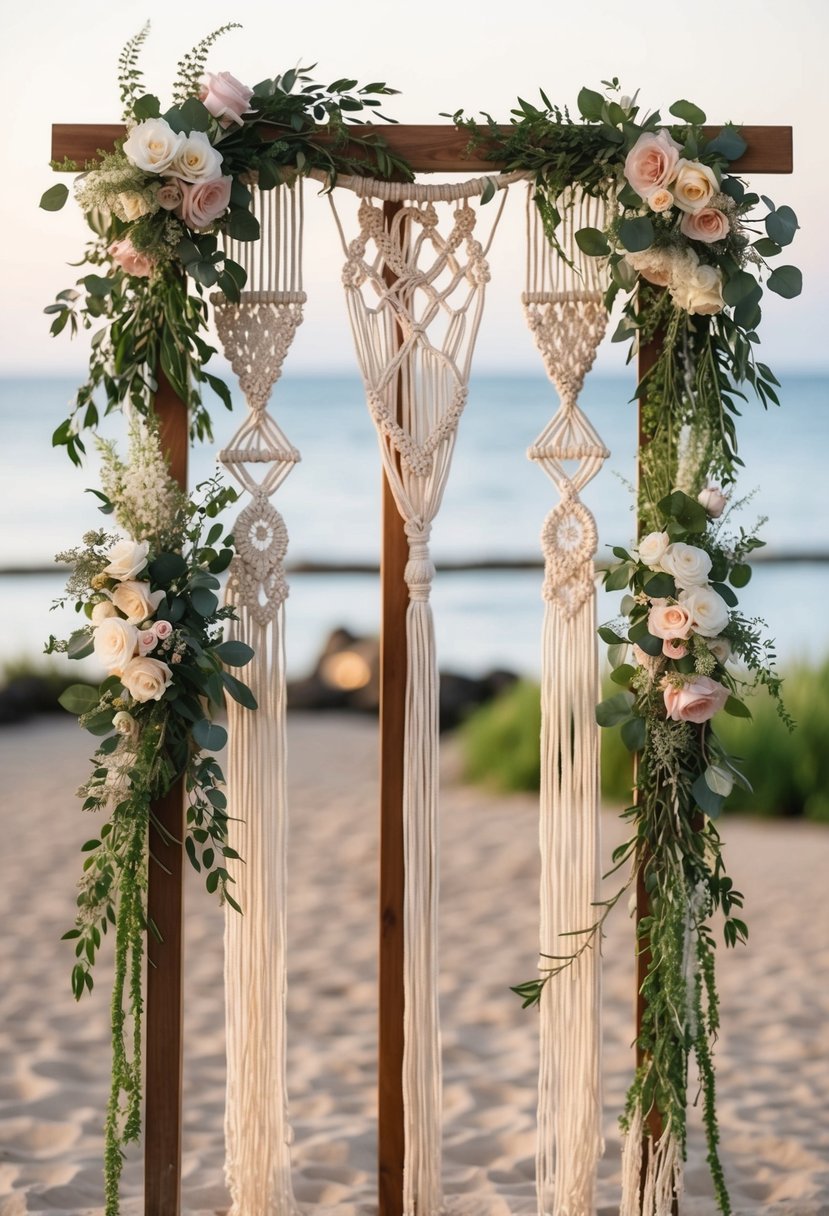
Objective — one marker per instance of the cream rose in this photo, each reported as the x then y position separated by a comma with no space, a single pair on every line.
204,202
669,621
652,547
700,292
133,205
713,500
695,700
114,642
126,725
169,196
135,600
196,160
146,679
127,558
153,145
673,648
660,200
695,185
707,225
663,267
651,162
102,610
125,255
689,565
225,97
708,611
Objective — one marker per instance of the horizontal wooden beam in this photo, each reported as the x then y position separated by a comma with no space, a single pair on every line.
428,149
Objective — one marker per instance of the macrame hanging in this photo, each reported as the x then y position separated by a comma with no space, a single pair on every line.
564,310
415,287
256,334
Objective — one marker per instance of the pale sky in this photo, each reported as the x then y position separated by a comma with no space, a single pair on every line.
762,63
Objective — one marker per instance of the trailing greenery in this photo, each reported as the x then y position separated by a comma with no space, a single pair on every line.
154,622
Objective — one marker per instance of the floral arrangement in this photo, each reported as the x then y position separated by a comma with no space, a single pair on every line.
689,261
159,204
155,626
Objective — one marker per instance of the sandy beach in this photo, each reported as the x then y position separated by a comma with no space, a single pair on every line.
773,1056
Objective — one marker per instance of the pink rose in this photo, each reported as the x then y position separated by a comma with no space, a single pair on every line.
651,162
672,648
125,255
225,97
147,641
713,499
707,225
669,621
204,202
162,630
169,196
696,700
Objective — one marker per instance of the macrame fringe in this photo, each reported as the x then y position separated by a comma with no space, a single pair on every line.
422,1072
653,1193
257,1132
569,1091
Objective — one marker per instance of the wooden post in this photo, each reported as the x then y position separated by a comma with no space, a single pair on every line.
164,1013
393,672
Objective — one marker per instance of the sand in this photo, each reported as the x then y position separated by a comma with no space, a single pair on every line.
773,1057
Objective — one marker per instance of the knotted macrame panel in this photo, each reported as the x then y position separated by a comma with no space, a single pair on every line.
565,313
256,334
415,277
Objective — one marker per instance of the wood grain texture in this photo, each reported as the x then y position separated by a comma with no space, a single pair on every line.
165,907
429,148
393,673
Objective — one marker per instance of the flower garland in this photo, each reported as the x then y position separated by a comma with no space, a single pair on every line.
155,625
690,261
159,203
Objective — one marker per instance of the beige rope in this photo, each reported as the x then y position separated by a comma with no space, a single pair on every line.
421,192
256,334
564,311
414,339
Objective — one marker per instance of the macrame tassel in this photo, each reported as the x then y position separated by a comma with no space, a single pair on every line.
569,1091
257,1133
422,1050
654,1192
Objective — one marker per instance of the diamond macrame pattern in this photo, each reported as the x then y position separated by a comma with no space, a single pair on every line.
256,335
413,322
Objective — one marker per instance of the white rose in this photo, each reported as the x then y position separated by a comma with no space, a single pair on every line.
133,205
114,642
652,547
152,145
694,186
135,600
708,611
127,558
101,611
146,679
689,565
700,291
713,500
197,160
720,649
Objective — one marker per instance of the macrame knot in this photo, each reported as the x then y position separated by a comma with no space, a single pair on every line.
420,569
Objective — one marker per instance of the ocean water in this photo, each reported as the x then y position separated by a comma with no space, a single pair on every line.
494,506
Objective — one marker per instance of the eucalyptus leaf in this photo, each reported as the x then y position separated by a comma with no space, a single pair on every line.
55,197
79,698
80,645
634,733
204,601
615,709
781,225
593,242
209,736
688,112
636,234
705,798
736,708
786,281
234,653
